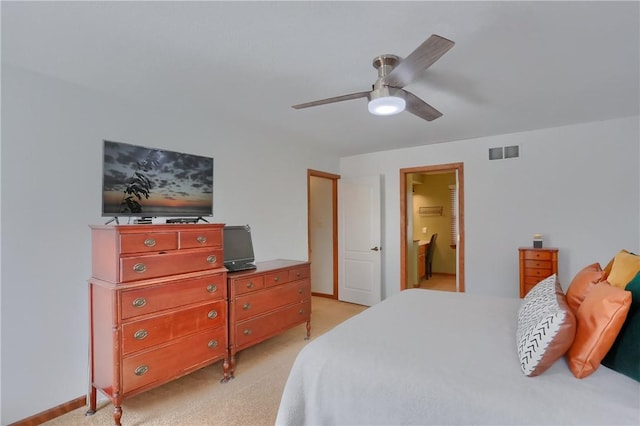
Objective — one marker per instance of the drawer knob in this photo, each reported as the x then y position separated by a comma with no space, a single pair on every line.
212,259
140,334
150,242
212,344
246,306
211,288
276,278
250,284
201,239
141,370
212,314
139,267
247,331
301,311
139,302
298,274
300,290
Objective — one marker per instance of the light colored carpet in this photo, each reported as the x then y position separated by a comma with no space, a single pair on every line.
252,398
442,282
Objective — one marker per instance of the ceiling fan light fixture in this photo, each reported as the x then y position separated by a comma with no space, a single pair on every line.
386,102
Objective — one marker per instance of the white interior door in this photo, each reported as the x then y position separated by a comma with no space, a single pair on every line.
360,250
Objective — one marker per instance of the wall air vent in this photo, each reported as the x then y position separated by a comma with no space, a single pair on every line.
495,153
511,151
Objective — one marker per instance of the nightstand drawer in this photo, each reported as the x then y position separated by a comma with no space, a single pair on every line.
537,255
538,264
537,273
532,281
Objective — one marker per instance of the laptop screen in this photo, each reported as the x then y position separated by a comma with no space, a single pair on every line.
238,246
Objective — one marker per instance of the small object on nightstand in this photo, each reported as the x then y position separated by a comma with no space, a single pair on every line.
537,240
536,264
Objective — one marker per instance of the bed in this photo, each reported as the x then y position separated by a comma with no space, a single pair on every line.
430,357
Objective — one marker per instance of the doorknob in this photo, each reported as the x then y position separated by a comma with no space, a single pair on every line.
376,248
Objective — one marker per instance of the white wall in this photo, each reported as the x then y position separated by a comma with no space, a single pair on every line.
578,185
51,181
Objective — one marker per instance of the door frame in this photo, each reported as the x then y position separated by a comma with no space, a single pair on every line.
444,168
334,196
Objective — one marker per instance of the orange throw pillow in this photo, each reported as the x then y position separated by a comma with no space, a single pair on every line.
582,283
600,318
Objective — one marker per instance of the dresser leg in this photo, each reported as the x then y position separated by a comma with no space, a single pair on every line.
117,415
308,330
225,371
232,367
117,408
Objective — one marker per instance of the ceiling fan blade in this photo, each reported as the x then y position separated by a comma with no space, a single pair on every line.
420,59
420,108
332,100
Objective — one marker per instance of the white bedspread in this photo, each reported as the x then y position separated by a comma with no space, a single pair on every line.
428,357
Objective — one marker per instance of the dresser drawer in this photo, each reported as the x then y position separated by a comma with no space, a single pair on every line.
246,285
528,286
170,361
133,268
276,278
299,273
258,303
538,264
201,238
173,294
148,242
264,326
537,255
537,273
530,281
138,335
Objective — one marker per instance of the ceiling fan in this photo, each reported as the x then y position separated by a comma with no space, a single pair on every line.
387,96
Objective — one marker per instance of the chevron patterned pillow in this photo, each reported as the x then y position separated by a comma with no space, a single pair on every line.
546,327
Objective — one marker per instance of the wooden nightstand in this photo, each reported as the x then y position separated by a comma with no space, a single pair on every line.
536,264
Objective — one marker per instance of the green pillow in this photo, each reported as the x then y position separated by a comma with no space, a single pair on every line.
624,355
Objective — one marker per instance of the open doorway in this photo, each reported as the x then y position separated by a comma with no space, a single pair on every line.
322,224
414,235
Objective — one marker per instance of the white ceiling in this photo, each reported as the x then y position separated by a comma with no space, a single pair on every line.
516,66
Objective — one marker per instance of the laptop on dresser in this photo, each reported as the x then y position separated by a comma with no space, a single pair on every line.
238,248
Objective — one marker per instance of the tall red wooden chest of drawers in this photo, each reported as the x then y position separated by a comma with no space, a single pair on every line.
158,306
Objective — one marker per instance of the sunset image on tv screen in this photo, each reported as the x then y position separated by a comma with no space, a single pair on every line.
149,182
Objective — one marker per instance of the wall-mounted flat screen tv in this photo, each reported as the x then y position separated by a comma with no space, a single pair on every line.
151,182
